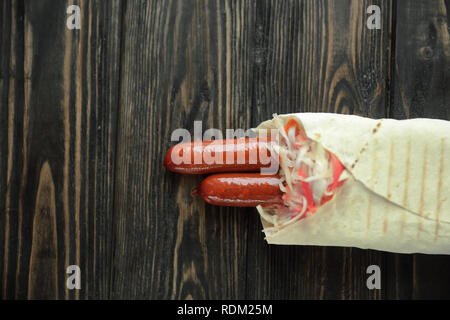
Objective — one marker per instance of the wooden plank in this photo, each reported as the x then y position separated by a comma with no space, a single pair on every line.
59,98
183,61
231,64
422,60
11,94
422,89
317,56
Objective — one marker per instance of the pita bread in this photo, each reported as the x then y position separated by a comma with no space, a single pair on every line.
397,197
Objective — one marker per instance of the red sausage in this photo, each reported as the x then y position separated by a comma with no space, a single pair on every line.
240,190
231,155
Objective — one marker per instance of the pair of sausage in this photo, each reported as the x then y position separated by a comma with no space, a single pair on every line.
237,184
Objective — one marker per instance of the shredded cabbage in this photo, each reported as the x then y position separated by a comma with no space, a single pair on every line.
306,174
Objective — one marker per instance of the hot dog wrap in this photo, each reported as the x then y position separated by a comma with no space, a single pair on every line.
395,194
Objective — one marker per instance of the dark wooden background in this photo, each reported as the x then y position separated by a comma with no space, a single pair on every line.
86,117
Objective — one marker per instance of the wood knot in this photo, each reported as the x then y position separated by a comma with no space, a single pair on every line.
426,53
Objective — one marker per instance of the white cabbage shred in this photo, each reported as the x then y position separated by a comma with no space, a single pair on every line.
297,153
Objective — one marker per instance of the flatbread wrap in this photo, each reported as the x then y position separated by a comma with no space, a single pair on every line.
394,193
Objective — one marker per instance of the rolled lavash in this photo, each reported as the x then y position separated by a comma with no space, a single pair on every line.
397,197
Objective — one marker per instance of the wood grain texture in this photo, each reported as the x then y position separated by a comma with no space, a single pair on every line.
11,115
183,61
422,77
422,89
86,117
59,91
